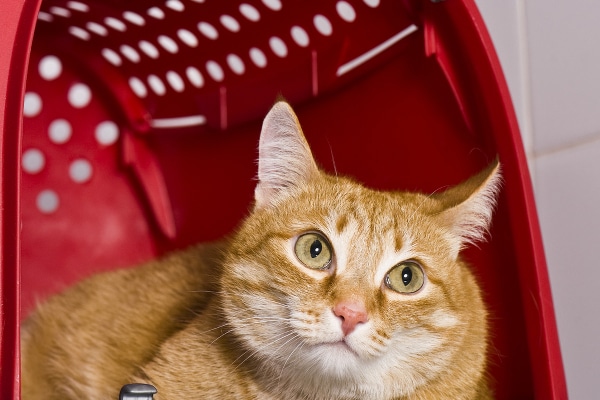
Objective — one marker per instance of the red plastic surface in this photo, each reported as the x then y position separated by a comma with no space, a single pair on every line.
140,134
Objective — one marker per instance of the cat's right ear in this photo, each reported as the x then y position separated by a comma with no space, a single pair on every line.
284,158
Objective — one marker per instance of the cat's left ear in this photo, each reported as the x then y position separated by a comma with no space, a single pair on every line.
468,207
284,158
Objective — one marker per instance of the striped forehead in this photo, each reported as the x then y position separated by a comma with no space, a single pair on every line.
368,241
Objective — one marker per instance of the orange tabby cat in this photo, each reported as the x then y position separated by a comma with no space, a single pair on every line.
328,290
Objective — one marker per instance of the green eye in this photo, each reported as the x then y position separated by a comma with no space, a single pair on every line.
313,250
406,277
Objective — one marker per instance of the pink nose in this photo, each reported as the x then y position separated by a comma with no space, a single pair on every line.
351,313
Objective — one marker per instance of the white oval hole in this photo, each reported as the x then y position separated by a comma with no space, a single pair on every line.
50,67
97,28
80,170
157,85
44,16
372,3
134,18
32,105
79,95
149,49
258,57
106,133
215,71
59,131
130,53
230,23
47,201
77,6
112,57
249,12
175,81
168,44
175,5
138,87
156,12
300,36
115,24
208,30
187,37
194,76
345,11
79,33
61,12
274,5
236,64
323,25
33,161
278,46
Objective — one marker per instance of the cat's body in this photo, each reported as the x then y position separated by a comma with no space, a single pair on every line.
328,290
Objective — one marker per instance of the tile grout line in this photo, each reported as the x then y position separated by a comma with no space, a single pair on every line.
589,139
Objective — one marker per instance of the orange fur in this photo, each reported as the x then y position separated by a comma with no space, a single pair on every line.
247,319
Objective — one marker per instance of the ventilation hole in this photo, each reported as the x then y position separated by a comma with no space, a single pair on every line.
50,67
274,5
79,33
134,18
130,53
300,36
175,5
60,131
187,37
80,170
32,104
107,132
149,49
236,64
230,23
194,76
345,11
249,12
215,71
258,57
168,44
47,201
175,81
372,3
278,46
96,28
138,87
44,16
157,85
116,24
112,57
156,12
208,30
79,95
33,161
323,25
61,12
77,6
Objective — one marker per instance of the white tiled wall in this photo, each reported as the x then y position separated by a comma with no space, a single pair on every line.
550,54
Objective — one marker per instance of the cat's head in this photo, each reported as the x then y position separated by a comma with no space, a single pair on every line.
338,290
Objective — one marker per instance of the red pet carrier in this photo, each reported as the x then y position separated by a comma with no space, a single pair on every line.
129,129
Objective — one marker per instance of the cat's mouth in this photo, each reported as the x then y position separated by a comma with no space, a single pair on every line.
341,346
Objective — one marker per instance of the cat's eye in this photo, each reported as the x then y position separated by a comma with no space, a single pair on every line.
313,250
406,277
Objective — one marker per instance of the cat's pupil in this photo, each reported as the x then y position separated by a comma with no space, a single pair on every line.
315,248
406,276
